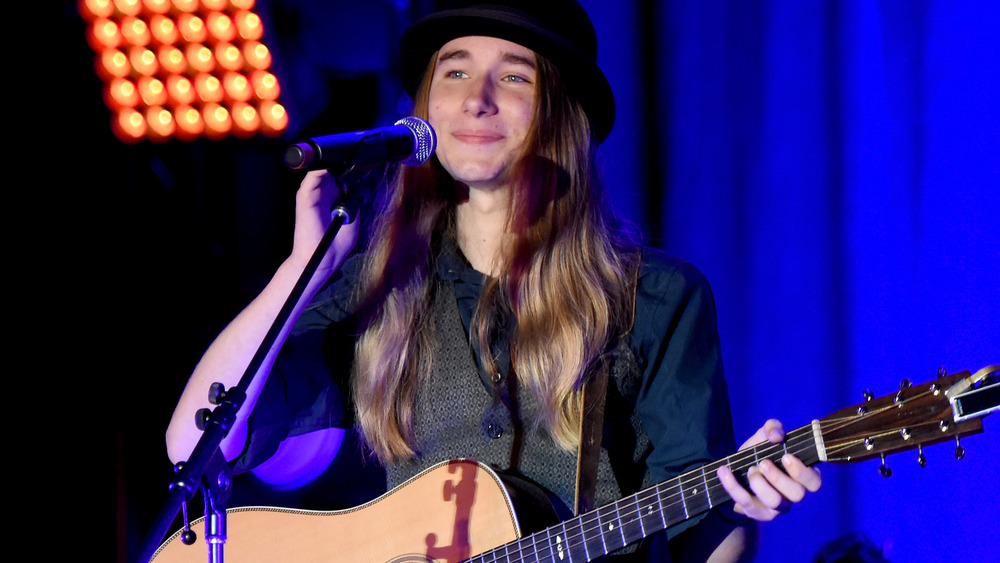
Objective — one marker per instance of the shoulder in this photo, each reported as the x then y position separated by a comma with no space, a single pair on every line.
662,274
673,305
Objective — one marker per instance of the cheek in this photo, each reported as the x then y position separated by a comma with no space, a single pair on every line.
525,113
435,114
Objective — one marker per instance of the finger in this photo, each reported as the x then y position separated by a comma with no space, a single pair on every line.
743,501
808,477
768,496
774,431
783,484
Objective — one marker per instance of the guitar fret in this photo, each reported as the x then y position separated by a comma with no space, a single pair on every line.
541,547
704,480
631,524
662,508
649,512
577,539
611,529
695,498
684,504
574,549
525,549
590,534
600,529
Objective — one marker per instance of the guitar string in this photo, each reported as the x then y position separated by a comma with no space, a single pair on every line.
800,440
632,515
571,542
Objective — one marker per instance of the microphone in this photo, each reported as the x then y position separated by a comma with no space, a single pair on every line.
411,140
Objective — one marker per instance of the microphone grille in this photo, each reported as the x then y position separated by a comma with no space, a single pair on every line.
426,140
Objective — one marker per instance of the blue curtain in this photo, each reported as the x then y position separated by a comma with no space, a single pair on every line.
834,168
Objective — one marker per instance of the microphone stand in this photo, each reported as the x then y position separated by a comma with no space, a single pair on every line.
206,469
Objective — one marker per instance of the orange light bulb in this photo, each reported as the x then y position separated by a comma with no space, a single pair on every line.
121,93
164,29
273,118
181,90
172,59
248,25
128,7
265,85
114,63
200,57
237,86
104,33
157,6
152,91
93,9
190,123
208,88
228,56
192,28
218,122
135,31
129,125
143,60
246,120
257,54
220,26
160,123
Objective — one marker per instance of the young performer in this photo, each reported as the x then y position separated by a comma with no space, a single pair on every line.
494,289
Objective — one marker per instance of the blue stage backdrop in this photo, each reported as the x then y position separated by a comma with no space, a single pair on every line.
834,168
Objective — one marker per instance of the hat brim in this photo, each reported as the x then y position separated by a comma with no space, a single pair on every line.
584,79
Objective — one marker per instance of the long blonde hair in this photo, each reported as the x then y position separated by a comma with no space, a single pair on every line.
568,279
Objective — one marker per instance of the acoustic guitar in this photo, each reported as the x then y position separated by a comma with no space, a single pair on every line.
462,510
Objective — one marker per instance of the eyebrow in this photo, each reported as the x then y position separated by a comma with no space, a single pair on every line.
512,58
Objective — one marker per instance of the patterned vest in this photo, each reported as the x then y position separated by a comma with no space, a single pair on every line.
457,416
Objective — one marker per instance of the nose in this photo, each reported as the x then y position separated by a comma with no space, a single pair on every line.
479,100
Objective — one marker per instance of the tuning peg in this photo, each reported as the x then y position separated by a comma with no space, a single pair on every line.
959,450
868,394
921,458
942,371
905,383
884,469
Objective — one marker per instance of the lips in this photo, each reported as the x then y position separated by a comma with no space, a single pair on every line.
476,137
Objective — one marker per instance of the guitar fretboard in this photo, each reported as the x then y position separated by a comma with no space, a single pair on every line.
632,518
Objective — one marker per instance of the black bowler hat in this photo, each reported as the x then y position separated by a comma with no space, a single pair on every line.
559,30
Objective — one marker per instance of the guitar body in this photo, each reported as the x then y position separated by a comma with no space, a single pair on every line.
448,513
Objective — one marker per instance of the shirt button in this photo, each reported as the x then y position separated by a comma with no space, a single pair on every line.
494,431
497,377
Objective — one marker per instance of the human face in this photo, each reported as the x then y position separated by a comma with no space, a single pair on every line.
481,105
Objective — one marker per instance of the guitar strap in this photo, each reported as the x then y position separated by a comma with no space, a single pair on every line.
592,424
591,431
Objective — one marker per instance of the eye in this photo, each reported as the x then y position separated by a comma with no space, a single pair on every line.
515,78
455,74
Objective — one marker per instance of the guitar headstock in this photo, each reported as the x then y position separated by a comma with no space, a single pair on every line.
913,417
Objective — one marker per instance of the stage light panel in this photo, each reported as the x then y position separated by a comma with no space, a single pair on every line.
184,68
